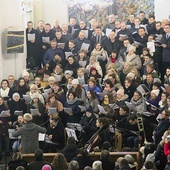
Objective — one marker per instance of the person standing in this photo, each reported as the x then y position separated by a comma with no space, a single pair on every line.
29,134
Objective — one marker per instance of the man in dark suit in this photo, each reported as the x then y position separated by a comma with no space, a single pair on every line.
65,33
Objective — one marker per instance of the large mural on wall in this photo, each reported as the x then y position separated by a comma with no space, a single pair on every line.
121,8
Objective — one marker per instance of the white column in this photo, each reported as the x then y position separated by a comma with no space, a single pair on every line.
10,16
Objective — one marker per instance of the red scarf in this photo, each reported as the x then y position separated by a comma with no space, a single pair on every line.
113,60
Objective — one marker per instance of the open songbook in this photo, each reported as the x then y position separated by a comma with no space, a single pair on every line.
47,91
148,114
143,89
149,104
130,105
4,113
85,46
75,126
45,95
34,112
67,54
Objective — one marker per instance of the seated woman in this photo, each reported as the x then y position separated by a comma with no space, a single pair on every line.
78,90
21,87
56,133
163,102
103,133
139,102
91,101
92,86
73,103
5,91
34,90
101,56
36,104
16,104
88,123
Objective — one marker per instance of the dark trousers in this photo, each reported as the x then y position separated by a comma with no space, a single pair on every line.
4,141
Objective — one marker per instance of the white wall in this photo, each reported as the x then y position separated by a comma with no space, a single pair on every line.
54,9
10,16
162,9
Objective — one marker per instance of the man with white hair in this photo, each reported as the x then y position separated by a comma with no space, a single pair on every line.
97,165
29,134
73,165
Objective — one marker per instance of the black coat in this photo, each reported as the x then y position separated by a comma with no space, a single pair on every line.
107,165
70,152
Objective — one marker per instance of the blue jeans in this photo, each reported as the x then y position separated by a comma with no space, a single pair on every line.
132,141
16,145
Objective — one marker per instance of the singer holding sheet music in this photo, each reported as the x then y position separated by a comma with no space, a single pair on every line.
29,134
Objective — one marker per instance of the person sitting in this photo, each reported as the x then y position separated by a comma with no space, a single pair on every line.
55,132
106,163
59,162
17,160
70,150
88,123
39,161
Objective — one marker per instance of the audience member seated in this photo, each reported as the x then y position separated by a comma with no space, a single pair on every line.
39,161
70,151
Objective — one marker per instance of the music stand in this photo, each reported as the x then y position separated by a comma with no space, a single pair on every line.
71,133
75,126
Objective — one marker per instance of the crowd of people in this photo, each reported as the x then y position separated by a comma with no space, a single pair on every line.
109,79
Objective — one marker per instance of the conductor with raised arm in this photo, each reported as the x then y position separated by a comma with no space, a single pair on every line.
29,134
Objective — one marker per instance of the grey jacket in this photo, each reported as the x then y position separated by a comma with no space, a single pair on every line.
29,136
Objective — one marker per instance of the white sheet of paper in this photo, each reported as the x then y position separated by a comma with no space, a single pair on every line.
147,114
45,95
52,110
47,91
151,46
61,45
41,136
34,112
71,133
86,33
73,31
85,46
83,108
67,54
81,81
101,109
108,31
128,26
27,98
57,77
68,110
82,63
45,39
4,113
31,37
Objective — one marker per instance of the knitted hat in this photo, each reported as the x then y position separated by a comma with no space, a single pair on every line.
156,92
121,92
46,167
131,75
15,94
89,109
132,48
75,81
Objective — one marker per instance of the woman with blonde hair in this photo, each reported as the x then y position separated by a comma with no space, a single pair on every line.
59,162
